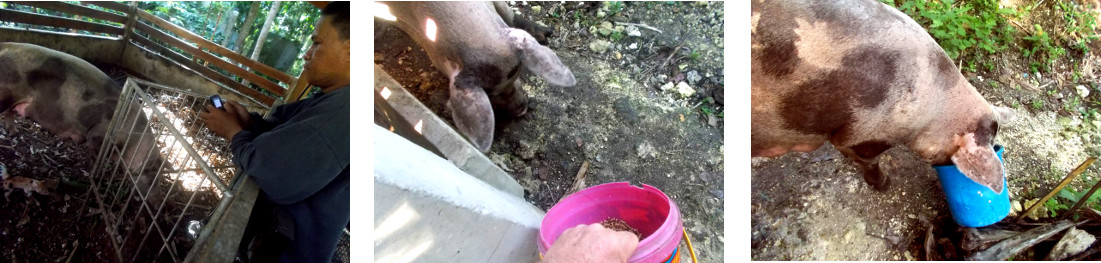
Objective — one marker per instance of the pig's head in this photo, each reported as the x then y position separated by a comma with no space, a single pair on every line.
965,138
471,108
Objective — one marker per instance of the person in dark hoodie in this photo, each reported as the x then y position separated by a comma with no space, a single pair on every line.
299,156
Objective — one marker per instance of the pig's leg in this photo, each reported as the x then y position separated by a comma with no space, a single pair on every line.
864,155
540,33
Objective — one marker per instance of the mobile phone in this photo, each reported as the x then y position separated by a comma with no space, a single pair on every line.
217,102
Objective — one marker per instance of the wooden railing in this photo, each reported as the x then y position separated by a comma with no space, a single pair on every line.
194,47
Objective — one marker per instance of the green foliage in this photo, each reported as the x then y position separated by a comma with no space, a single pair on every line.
706,105
973,28
616,36
1043,49
695,55
614,7
294,22
1038,104
1072,197
1089,113
1081,24
1053,206
1072,104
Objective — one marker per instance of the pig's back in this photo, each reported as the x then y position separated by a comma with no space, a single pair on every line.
32,63
856,70
466,32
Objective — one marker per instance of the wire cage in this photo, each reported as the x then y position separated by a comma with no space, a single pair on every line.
160,174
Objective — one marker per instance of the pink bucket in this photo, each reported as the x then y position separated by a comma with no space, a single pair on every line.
645,208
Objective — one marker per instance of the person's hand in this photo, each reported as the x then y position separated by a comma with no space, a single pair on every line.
243,115
592,243
228,122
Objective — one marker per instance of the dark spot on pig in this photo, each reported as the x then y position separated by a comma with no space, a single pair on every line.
94,141
484,76
6,100
47,111
87,94
813,108
869,72
49,75
825,104
779,59
8,73
985,130
946,74
93,114
776,33
870,149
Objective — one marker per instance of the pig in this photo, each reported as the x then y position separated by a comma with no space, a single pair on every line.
481,56
864,77
72,99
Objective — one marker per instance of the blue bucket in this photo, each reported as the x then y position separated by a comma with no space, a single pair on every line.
972,204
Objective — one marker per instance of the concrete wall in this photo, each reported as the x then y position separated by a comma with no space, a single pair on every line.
454,147
427,210
91,48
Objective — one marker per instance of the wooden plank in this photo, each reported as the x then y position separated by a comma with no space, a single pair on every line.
204,71
44,20
74,9
299,88
233,69
217,49
110,5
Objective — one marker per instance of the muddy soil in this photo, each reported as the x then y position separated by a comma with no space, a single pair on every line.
816,206
617,118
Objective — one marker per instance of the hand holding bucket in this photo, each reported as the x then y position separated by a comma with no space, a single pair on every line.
645,208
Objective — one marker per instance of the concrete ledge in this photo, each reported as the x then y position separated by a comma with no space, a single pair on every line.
453,145
427,210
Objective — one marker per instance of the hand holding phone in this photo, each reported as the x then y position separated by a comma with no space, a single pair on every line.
217,102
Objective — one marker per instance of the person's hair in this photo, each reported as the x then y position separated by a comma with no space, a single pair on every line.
339,11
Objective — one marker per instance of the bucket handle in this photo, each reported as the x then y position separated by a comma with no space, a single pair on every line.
691,251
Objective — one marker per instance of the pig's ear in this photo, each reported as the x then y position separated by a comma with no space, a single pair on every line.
473,115
539,59
979,162
1003,114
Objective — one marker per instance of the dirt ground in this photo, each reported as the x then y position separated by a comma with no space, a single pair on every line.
48,227
816,205
617,117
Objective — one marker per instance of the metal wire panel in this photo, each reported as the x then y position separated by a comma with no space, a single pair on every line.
160,174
